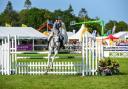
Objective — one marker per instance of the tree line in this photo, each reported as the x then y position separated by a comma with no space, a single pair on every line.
34,17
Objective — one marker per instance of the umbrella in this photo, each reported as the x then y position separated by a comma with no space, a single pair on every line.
111,37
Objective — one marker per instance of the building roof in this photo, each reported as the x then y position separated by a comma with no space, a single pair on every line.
21,33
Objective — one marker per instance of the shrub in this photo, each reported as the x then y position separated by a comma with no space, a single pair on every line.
108,67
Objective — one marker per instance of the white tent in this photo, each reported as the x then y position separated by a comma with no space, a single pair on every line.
78,35
122,34
21,32
70,34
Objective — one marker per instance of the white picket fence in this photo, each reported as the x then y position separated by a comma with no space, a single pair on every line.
41,68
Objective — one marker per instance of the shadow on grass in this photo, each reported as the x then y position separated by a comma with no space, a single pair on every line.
122,73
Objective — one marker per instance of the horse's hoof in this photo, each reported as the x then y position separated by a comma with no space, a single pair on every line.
46,72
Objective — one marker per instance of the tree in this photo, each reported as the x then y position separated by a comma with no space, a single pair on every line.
34,17
83,14
70,9
9,15
109,26
9,7
122,26
0,20
27,4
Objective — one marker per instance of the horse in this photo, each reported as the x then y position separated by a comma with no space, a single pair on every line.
54,44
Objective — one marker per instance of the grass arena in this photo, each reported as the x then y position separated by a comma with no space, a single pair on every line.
72,81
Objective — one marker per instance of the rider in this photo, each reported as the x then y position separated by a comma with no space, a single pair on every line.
57,30
60,33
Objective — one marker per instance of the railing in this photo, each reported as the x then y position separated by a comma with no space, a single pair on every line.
41,68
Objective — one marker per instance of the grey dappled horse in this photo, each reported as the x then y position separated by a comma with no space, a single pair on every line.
54,44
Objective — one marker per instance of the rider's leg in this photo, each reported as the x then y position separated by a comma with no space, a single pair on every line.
61,42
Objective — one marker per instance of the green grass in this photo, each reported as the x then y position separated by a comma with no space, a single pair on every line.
68,81
64,82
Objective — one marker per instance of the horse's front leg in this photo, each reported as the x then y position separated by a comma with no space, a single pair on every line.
49,59
56,52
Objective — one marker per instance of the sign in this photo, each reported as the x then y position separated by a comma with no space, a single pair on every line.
25,47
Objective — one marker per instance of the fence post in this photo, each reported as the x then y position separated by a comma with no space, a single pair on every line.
83,54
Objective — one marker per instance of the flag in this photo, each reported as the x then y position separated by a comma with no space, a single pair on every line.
23,25
113,29
7,25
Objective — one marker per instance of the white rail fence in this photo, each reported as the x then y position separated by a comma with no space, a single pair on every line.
91,53
7,60
4,58
41,68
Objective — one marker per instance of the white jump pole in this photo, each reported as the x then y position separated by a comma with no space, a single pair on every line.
86,54
2,58
15,50
93,56
8,55
83,54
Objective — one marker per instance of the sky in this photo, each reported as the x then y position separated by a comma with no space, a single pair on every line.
104,9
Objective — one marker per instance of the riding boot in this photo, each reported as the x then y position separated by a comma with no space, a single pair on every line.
62,45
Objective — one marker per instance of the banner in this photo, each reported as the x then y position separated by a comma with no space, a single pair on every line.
23,25
7,25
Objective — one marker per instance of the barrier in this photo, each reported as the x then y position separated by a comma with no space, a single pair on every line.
4,54
7,60
37,68
91,53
